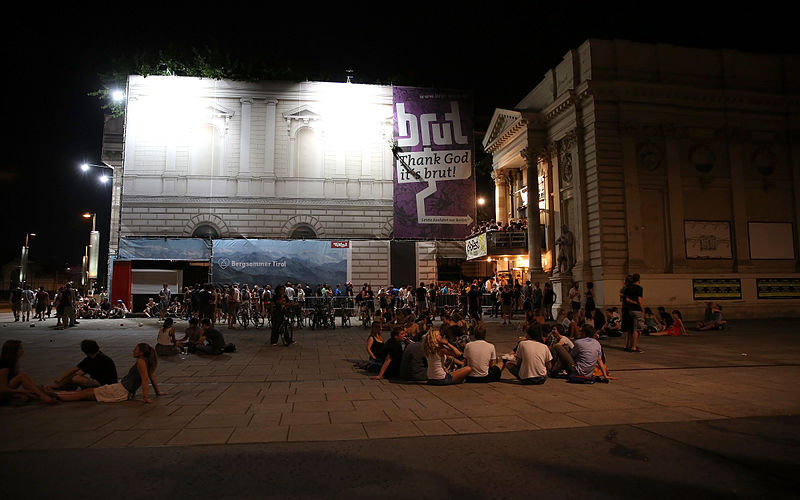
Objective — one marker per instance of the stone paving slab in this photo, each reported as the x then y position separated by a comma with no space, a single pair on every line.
311,392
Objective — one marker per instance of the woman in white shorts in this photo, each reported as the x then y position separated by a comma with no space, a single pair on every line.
141,374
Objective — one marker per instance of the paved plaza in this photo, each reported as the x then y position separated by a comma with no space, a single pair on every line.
310,391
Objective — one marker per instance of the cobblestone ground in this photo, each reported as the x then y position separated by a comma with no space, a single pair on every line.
311,392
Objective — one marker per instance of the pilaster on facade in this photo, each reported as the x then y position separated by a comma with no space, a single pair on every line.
269,137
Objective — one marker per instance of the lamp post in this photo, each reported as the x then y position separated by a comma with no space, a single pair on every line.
23,261
92,251
94,236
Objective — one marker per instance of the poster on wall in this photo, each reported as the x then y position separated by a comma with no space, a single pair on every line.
708,239
771,240
778,288
196,249
434,179
717,289
476,247
275,262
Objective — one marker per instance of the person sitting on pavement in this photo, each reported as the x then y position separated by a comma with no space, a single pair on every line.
437,349
166,343
141,374
95,370
392,355
676,328
481,356
414,365
216,342
151,304
652,323
717,321
11,379
192,333
120,310
613,326
532,359
588,355
374,343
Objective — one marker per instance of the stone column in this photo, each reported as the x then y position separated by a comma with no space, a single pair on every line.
243,186
633,205
500,197
554,188
675,206
741,244
534,229
269,147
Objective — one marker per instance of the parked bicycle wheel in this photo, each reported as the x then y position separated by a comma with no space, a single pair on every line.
243,317
257,319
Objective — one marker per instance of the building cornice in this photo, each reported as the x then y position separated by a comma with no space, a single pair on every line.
252,202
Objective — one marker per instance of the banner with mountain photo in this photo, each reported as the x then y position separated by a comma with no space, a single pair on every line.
275,262
434,172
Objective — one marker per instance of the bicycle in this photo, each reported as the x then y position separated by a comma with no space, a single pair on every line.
322,317
364,315
243,315
346,314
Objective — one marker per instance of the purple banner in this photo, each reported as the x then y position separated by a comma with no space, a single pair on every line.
434,178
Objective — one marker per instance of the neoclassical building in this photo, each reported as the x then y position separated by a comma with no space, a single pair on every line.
201,158
680,164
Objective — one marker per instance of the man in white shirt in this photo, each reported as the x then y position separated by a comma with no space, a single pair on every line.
533,358
481,356
289,291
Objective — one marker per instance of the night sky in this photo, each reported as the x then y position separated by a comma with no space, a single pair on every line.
52,61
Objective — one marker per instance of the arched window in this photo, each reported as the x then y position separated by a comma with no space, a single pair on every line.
303,232
308,155
206,150
205,231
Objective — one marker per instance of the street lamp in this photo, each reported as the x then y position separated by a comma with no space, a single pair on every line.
94,244
23,261
85,166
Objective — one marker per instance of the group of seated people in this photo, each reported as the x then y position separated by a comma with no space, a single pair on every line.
608,323
458,351
199,337
712,318
89,308
492,225
94,378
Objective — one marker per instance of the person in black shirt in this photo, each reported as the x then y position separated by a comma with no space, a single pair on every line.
634,309
392,354
95,370
205,300
216,342
16,301
421,294
473,300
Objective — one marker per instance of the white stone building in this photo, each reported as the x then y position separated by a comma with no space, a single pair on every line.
275,160
680,164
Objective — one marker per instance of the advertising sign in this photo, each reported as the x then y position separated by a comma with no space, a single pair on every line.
778,288
164,249
476,247
434,180
274,262
717,289
94,253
